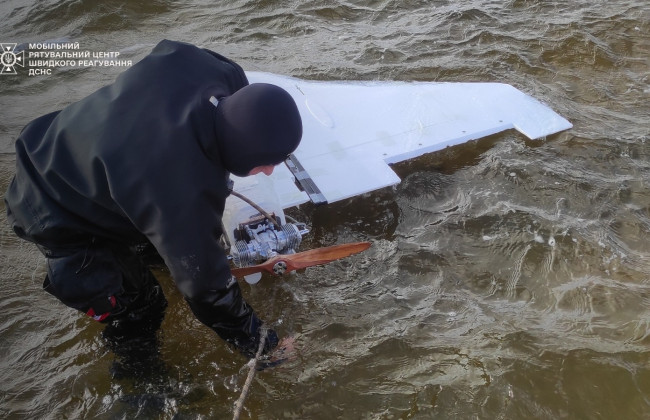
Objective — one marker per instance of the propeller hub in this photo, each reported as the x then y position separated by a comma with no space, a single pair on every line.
280,267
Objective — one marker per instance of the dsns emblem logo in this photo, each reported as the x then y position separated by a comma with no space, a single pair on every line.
10,59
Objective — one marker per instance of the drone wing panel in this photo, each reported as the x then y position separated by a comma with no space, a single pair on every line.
352,131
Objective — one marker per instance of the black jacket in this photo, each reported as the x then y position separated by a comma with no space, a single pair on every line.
138,161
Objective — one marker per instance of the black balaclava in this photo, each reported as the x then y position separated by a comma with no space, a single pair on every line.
258,125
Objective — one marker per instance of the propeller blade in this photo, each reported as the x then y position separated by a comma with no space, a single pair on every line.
284,263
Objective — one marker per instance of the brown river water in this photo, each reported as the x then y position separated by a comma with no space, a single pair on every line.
508,278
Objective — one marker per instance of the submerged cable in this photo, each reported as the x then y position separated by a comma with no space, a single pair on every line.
256,207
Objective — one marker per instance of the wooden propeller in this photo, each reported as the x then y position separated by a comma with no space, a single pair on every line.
288,262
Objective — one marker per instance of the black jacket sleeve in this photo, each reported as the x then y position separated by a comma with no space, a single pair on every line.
185,231
238,325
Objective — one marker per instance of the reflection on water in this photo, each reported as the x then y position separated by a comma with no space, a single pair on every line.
507,279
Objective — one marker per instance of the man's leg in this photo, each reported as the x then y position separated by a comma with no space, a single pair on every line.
133,336
113,286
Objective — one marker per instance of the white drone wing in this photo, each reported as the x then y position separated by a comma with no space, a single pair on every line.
352,131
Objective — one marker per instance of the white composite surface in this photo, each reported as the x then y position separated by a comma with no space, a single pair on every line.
352,131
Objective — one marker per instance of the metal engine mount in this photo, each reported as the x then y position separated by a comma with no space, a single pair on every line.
259,239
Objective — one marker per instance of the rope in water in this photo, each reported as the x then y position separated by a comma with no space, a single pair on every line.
239,405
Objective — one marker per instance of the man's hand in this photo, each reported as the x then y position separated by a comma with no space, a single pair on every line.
285,351
285,348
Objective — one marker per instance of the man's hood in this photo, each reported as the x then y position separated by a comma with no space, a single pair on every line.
258,125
